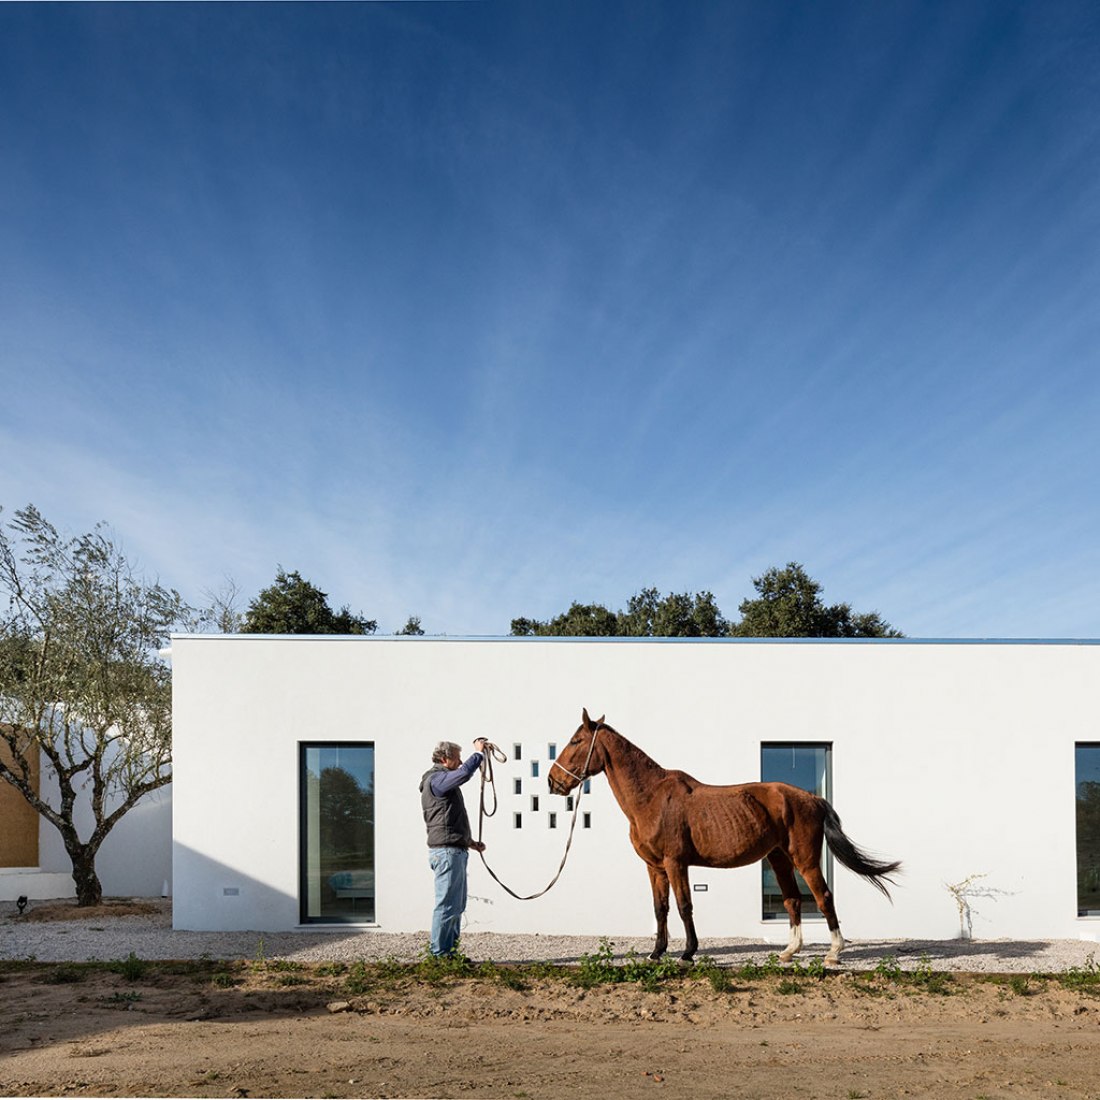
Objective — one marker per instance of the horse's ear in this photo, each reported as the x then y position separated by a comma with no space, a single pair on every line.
598,722
585,720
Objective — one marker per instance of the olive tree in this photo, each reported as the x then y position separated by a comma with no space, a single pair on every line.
83,686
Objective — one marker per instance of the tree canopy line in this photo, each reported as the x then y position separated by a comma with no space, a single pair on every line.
788,604
85,689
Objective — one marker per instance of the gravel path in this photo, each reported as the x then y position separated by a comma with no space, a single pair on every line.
151,937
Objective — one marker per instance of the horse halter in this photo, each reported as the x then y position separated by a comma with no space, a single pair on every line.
591,746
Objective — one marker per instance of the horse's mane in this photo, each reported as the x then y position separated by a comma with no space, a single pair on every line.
638,757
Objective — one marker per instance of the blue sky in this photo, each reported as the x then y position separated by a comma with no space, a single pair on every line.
469,310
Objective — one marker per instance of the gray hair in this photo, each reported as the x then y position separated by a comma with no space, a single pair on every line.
445,750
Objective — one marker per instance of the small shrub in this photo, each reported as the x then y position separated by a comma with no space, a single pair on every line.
1083,979
391,968
358,980
440,968
598,968
719,978
291,979
510,977
283,965
889,969
543,970
921,977
931,981
131,968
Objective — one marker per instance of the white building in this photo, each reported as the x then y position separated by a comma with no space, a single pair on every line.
297,761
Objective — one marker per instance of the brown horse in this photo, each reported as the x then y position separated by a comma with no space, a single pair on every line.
677,822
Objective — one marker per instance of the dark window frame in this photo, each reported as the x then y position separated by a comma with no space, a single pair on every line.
304,917
810,911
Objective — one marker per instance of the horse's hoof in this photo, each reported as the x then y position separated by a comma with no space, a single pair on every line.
687,959
656,956
786,956
832,960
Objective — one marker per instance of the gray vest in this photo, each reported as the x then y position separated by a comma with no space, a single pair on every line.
448,825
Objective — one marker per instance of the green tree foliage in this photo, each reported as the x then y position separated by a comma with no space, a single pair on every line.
677,615
789,605
591,620
294,606
412,626
82,684
647,615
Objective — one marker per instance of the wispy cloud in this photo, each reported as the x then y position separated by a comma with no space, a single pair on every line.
468,312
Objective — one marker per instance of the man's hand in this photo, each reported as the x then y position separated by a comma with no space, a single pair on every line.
477,846
480,744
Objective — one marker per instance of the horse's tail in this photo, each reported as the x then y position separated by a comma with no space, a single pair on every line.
854,858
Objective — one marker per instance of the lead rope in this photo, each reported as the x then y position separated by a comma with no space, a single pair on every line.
487,780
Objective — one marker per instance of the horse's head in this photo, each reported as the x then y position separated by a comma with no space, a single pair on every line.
581,758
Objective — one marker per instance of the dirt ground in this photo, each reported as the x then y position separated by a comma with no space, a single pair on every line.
273,1028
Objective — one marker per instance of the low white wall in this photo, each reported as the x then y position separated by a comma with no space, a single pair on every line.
957,758
30,882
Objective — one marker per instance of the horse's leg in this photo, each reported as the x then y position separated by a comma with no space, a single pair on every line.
792,900
658,883
681,888
815,880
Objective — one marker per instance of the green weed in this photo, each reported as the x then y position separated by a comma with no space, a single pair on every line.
719,978
600,968
131,968
1083,979
1020,984
922,978
358,980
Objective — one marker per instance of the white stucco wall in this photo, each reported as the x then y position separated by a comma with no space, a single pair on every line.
135,859
957,758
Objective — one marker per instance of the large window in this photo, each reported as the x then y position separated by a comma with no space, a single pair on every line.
337,836
1088,830
802,764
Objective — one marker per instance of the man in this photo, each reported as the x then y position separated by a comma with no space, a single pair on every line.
449,837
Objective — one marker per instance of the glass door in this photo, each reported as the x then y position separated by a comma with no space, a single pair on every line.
802,764
1087,767
337,833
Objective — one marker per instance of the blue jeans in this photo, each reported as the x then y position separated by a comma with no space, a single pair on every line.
449,865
